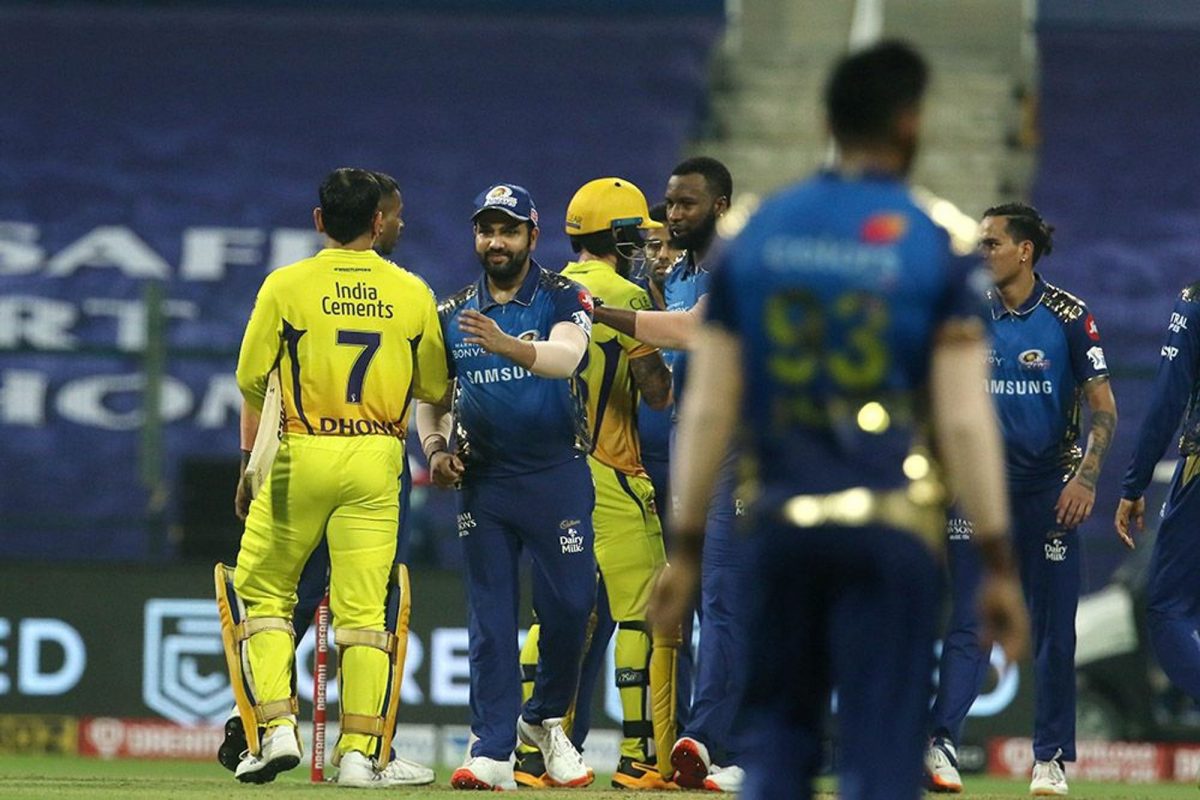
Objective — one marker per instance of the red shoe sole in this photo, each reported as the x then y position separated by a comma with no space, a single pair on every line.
464,779
690,770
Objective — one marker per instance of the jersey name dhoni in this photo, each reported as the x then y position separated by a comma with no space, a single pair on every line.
612,392
355,338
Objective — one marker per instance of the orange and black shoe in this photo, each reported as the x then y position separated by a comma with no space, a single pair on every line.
530,770
633,774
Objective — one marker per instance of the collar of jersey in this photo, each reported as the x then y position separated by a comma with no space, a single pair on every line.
342,252
1039,290
524,295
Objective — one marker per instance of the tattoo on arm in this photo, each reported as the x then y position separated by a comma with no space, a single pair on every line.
653,379
1104,423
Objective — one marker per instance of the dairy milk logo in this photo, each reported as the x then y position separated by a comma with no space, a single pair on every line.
183,664
571,540
1056,550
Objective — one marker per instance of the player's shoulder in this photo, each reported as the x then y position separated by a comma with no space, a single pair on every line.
456,301
1065,306
556,282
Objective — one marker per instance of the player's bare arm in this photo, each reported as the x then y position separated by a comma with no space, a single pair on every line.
1079,495
675,330
706,430
969,443
653,379
434,423
248,428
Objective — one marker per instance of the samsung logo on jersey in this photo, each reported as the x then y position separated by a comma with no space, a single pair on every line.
498,374
841,256
1020,387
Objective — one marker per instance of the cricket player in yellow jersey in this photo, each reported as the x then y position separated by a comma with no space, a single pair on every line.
354,339
605,219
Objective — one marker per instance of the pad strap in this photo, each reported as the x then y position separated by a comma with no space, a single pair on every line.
265,712
362,723
356,637
252,625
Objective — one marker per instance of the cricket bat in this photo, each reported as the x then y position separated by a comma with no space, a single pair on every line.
266,440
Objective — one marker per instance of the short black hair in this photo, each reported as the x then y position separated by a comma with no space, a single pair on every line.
716,175
869,88
658,212
1025,224
598,243
349,200
387,184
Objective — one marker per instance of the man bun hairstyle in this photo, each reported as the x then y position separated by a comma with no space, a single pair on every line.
1025,224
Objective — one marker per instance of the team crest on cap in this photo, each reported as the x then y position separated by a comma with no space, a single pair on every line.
500,196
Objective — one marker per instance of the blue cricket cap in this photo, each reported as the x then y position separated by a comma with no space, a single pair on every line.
511,199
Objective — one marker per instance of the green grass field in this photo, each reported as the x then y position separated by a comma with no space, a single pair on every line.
63,778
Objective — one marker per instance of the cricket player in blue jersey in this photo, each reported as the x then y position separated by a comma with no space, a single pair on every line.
314,578
841,309
1173,583
1046,355
517,339
698,194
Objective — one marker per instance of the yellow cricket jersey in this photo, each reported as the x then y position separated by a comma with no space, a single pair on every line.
612,393
355,338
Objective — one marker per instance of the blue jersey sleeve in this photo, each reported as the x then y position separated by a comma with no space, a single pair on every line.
965,295
1087,353
722,307
573,303
1177,371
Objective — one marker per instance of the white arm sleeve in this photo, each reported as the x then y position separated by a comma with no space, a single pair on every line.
560,355
675,330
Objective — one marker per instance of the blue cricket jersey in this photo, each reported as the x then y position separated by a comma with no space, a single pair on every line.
835,288
1042,354
1175,395
654,426
509,421
684,287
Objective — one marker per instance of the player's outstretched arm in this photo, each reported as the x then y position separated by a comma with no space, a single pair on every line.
675,330
557,357
1078,497
434,423
706,429
969,443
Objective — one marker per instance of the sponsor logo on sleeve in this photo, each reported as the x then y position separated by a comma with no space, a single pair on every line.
1096,356
1169,352
1178,322
1090,326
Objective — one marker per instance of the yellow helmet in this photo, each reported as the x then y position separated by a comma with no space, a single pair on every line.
605,203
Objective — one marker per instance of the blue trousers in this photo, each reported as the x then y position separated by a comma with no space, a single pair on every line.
851,608
1049,561
314,578
1173,586
549,513
964,663
725,572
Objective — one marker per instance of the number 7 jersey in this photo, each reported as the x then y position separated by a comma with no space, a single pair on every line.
355,338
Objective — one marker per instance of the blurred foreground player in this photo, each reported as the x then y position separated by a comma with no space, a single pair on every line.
1173,584
314,578
839,306
356,339
517,338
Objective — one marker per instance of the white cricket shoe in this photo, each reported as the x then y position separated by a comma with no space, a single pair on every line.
941,767
280,752
564,765
1049,779
402,772
691,762
481,772
358,771
725,779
